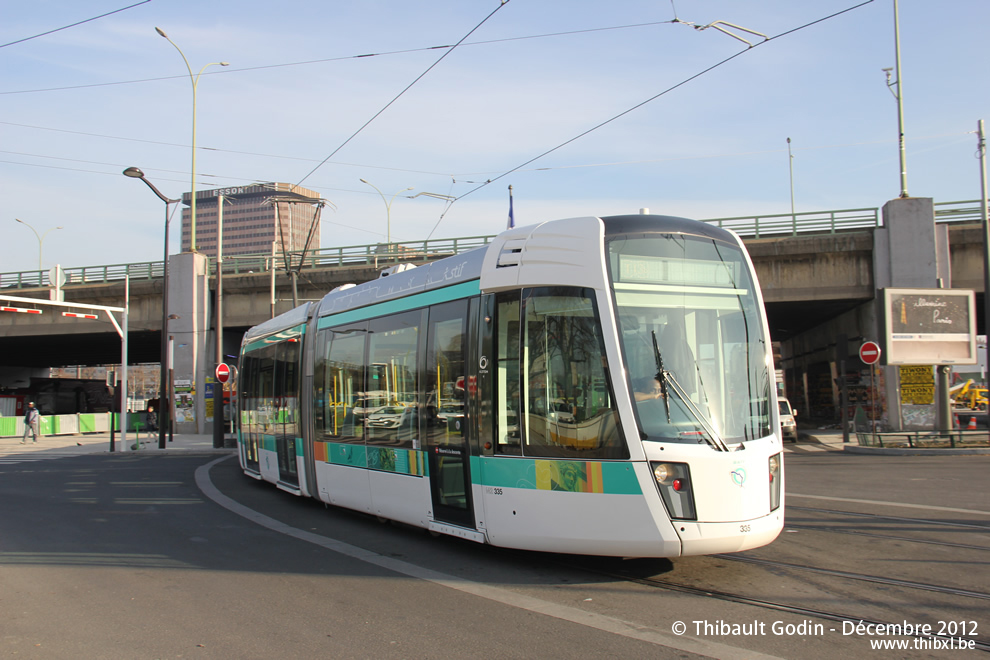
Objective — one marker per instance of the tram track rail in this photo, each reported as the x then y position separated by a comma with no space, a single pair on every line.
848,575
924,521
981,642
820,527
888,537
705,592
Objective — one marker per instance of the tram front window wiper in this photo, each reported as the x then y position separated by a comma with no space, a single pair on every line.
668,383
662,375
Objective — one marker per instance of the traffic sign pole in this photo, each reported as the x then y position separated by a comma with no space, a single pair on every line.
873,404
869,353
222,374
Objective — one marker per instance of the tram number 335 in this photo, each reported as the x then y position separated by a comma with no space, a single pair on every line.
743,529
492,490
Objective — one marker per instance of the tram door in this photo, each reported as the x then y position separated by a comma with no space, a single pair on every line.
445,419
248,403
287,410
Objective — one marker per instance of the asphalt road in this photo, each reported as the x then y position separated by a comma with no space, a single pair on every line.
180,555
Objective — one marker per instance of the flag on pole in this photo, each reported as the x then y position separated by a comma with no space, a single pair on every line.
512,218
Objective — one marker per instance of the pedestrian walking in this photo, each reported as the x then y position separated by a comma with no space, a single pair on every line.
151,419
32,423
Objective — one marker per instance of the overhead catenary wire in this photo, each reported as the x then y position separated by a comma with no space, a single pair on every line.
72,25
341,58
406,89
687,80
522,166
457,177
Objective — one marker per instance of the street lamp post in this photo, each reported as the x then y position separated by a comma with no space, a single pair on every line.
194,79
388,211
41,237
165,418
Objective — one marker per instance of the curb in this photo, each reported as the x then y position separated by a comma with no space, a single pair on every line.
917,451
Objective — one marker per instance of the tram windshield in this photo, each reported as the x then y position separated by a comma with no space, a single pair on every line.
692,338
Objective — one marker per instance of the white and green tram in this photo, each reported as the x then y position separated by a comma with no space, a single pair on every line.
592,385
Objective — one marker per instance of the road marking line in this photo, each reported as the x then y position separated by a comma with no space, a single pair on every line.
504,596
898,504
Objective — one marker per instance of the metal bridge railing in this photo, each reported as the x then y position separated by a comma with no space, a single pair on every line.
968,211
381,255
831,222
816,222
28,279
378,256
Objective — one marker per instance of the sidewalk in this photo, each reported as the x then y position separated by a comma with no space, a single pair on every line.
95,443
831,439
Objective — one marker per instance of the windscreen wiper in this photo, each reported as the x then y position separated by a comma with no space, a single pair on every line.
661,374
665,378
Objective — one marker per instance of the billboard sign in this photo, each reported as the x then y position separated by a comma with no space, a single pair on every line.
930,326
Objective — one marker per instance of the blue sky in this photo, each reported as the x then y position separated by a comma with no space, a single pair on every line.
79,105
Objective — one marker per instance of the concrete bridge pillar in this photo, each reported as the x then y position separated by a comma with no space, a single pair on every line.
910,252
188,298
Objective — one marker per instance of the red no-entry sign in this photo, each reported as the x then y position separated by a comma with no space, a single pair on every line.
223,372
869,352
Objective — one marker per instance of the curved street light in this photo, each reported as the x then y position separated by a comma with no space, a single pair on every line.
41,237
388,210
164,412
194,79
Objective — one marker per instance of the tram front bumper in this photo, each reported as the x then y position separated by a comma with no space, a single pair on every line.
700,538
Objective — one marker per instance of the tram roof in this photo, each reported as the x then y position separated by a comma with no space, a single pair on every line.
439,274
646,223
283,321
460,268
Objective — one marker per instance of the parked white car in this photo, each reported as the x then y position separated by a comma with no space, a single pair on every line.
788,427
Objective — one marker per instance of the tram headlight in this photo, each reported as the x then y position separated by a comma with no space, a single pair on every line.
774,463
674,483
662,472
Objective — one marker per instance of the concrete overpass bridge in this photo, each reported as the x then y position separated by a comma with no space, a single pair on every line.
819,273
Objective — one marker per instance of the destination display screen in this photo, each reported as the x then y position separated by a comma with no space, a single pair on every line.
666,270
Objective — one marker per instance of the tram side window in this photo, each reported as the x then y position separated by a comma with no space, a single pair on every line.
265,391
568,408
288,387
507,413
339,381
393,390
244,387
444,412
248,406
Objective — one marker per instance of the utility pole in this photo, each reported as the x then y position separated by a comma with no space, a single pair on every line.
217,385
981,153
790,166
899,95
